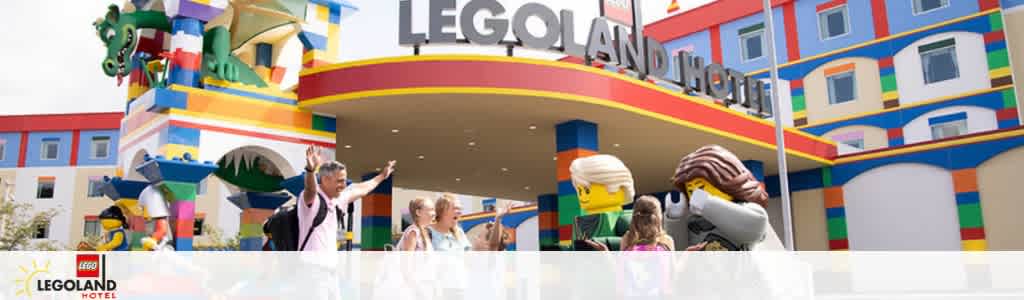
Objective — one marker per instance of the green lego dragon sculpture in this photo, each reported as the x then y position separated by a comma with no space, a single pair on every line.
118,32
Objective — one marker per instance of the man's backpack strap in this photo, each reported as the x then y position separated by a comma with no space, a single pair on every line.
321,214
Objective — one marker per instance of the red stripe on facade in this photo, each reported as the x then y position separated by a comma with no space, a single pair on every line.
61,122
546,78
700,18
881,17
885,62
843,244
142,137
984,5
249,133
22,149
796,84
792,39
994,36
75,139
1006,114
716,44
830,4
967,234
895,133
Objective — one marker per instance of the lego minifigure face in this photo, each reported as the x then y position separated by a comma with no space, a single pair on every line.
595,198
110,224
704,184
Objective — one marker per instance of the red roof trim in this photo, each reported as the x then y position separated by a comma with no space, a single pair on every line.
703,17
61,122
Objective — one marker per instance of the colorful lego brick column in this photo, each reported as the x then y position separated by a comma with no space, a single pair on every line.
835,213
179,178
799,102
968,204
1007,116
376,212
175,141
895,136
320,33
187,20
887,73
256,208
125,194
574,139
547,206
998,56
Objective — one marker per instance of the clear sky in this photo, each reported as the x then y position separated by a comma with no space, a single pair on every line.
52,55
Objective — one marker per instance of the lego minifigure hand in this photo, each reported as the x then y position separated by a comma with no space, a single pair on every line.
148,243
699,200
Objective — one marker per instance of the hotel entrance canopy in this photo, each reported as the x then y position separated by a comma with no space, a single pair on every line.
485,125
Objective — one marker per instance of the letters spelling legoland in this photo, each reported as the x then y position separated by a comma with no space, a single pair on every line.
648,57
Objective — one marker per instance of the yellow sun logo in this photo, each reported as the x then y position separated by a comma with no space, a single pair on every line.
27,281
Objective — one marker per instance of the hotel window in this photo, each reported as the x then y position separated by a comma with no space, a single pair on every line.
44,189
197,227
925,6
100,147
948,126
42,231
3,149
49,149
95,186
855,143
752,42
833,22
938,61
841,88
92,228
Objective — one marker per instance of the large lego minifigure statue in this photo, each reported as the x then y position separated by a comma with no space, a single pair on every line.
724,208
604,185
153,202
113,221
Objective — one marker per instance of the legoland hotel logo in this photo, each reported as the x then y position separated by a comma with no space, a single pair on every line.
89,283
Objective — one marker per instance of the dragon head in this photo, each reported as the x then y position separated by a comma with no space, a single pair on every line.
118,33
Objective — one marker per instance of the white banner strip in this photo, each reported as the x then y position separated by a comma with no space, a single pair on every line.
512,275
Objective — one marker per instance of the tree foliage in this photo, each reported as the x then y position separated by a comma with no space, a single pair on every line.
19,223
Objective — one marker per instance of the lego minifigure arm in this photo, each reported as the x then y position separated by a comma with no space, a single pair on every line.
160,228
114,242
742,223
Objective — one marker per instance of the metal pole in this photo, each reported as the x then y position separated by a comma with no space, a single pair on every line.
638,30
780,141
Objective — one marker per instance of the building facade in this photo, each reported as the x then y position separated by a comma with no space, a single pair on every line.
60,161
919,96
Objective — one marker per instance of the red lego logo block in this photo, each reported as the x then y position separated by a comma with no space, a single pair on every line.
88,265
